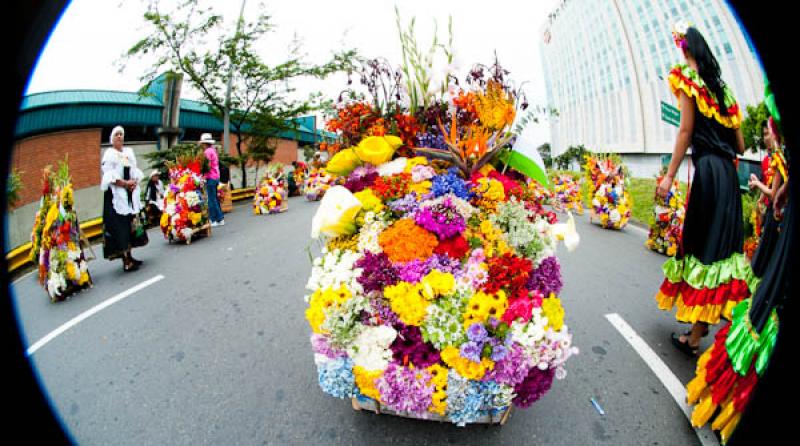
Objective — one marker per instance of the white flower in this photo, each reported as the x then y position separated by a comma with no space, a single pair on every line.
614,216
370,349
336,213
187,233
170,210
368,235
393,167
192,199
335,269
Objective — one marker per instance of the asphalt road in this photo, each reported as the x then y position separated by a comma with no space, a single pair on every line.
218,351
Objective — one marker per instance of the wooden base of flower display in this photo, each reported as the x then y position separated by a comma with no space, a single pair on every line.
227,202
364,403
204,231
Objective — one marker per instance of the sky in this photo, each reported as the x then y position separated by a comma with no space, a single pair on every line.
86,45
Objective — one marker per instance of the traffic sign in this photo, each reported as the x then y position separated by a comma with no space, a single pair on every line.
670,114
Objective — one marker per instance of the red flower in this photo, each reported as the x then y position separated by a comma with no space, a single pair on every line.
194,166
508,271
455,247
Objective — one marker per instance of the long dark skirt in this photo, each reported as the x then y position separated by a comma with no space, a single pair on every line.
713,228
766,246
116,230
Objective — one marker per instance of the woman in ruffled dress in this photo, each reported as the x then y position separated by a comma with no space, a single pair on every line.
729,371
121,202
710,274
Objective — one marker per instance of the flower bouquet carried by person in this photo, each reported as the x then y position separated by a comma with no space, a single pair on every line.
270,195
436,292
186,206
316,184
611,203
56,238
666,223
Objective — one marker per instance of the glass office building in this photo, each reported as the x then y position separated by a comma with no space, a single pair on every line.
606,63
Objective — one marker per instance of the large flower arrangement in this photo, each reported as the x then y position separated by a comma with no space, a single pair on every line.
611,203
666,223
186,208
299,174
316,184
63,268
271,196
436,293
567,193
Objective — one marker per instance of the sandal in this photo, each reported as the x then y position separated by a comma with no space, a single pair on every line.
128,267
684,347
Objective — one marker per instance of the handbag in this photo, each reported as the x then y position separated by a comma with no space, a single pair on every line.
139,230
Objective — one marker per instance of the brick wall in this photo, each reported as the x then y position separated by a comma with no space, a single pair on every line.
31,155
285,153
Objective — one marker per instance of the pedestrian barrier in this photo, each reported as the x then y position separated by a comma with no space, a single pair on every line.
19,256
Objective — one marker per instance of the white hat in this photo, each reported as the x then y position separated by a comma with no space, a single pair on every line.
205,138
154,173
114,132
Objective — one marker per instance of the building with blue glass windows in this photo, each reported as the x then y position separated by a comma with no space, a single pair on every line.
606,62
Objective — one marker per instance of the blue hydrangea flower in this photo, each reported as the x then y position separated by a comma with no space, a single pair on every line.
451,183
336,378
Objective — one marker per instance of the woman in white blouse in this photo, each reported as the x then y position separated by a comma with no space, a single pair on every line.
120,185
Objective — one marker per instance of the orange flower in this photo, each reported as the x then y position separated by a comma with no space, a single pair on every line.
404,241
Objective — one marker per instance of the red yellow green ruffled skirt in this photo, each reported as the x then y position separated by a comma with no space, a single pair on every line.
729,370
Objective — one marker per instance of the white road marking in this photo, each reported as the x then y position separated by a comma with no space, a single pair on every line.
88,313
664,374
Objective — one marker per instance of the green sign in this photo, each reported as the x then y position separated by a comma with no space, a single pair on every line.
670,114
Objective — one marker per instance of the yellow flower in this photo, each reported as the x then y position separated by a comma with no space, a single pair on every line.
84,278
194,217
421,188
71,271
553,311
437,283
438,375
407,301
164,220
67,195
491,189
369,201
466,368
377,150
343,162
365,380
416,161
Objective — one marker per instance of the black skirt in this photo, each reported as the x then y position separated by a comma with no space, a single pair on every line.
116,227
766,246
713,227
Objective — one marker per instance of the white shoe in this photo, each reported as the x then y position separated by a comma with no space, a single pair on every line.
221,223
214,224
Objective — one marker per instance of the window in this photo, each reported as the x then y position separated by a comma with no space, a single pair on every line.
728,48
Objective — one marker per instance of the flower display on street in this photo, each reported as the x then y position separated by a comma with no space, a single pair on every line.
666,223
55,238
436,292
185,202
611,203
567,194
271,196
316,183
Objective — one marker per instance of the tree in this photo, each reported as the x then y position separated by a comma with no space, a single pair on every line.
260,93
752,127
572,153
547,157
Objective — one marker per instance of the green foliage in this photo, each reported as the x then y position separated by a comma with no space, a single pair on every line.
752,127
546,153
749,202
13,188
259,102
161,159
572,153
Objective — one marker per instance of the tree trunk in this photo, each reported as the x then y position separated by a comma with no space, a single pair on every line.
243,160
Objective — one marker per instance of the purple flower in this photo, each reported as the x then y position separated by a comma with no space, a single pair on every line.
431,140
378,272
445,264
321,346
547,277
511,369
472,351
361,178
383,312
498,352
477,333
442,219
409,347
413,271
407,205
536,384
403,389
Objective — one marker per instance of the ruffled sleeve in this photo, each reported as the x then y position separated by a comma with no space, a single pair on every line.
683,78
136,173
110,169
